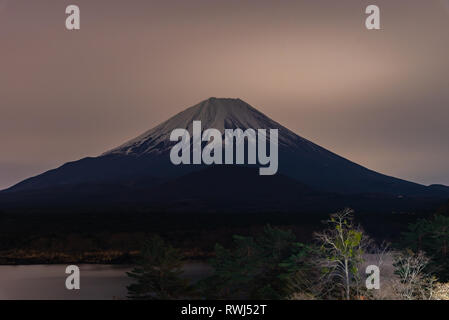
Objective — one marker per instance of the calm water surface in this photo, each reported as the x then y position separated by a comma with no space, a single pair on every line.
97,281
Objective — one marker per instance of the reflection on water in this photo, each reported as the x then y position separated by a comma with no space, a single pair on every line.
97,281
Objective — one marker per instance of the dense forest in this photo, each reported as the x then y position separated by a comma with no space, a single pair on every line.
115,236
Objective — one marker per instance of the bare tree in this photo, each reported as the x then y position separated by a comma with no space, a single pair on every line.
414,282
380,252
342,246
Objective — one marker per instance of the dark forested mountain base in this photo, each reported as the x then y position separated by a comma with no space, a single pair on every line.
116,236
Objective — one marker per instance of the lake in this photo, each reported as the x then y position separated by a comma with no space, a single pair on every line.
98,282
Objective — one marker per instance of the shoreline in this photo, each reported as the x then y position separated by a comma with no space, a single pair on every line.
108,257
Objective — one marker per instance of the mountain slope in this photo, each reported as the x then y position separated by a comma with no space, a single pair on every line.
144,161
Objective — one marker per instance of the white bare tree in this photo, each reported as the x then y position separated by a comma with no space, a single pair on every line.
413,282
342,246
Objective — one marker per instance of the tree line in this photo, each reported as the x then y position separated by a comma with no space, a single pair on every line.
274,265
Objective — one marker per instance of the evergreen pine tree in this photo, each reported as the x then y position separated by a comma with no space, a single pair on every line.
158,273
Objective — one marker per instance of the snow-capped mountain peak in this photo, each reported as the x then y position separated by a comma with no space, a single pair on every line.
216,113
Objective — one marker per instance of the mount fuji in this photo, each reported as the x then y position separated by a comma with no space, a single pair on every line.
140,172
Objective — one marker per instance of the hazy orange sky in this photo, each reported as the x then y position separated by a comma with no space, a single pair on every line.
378,98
